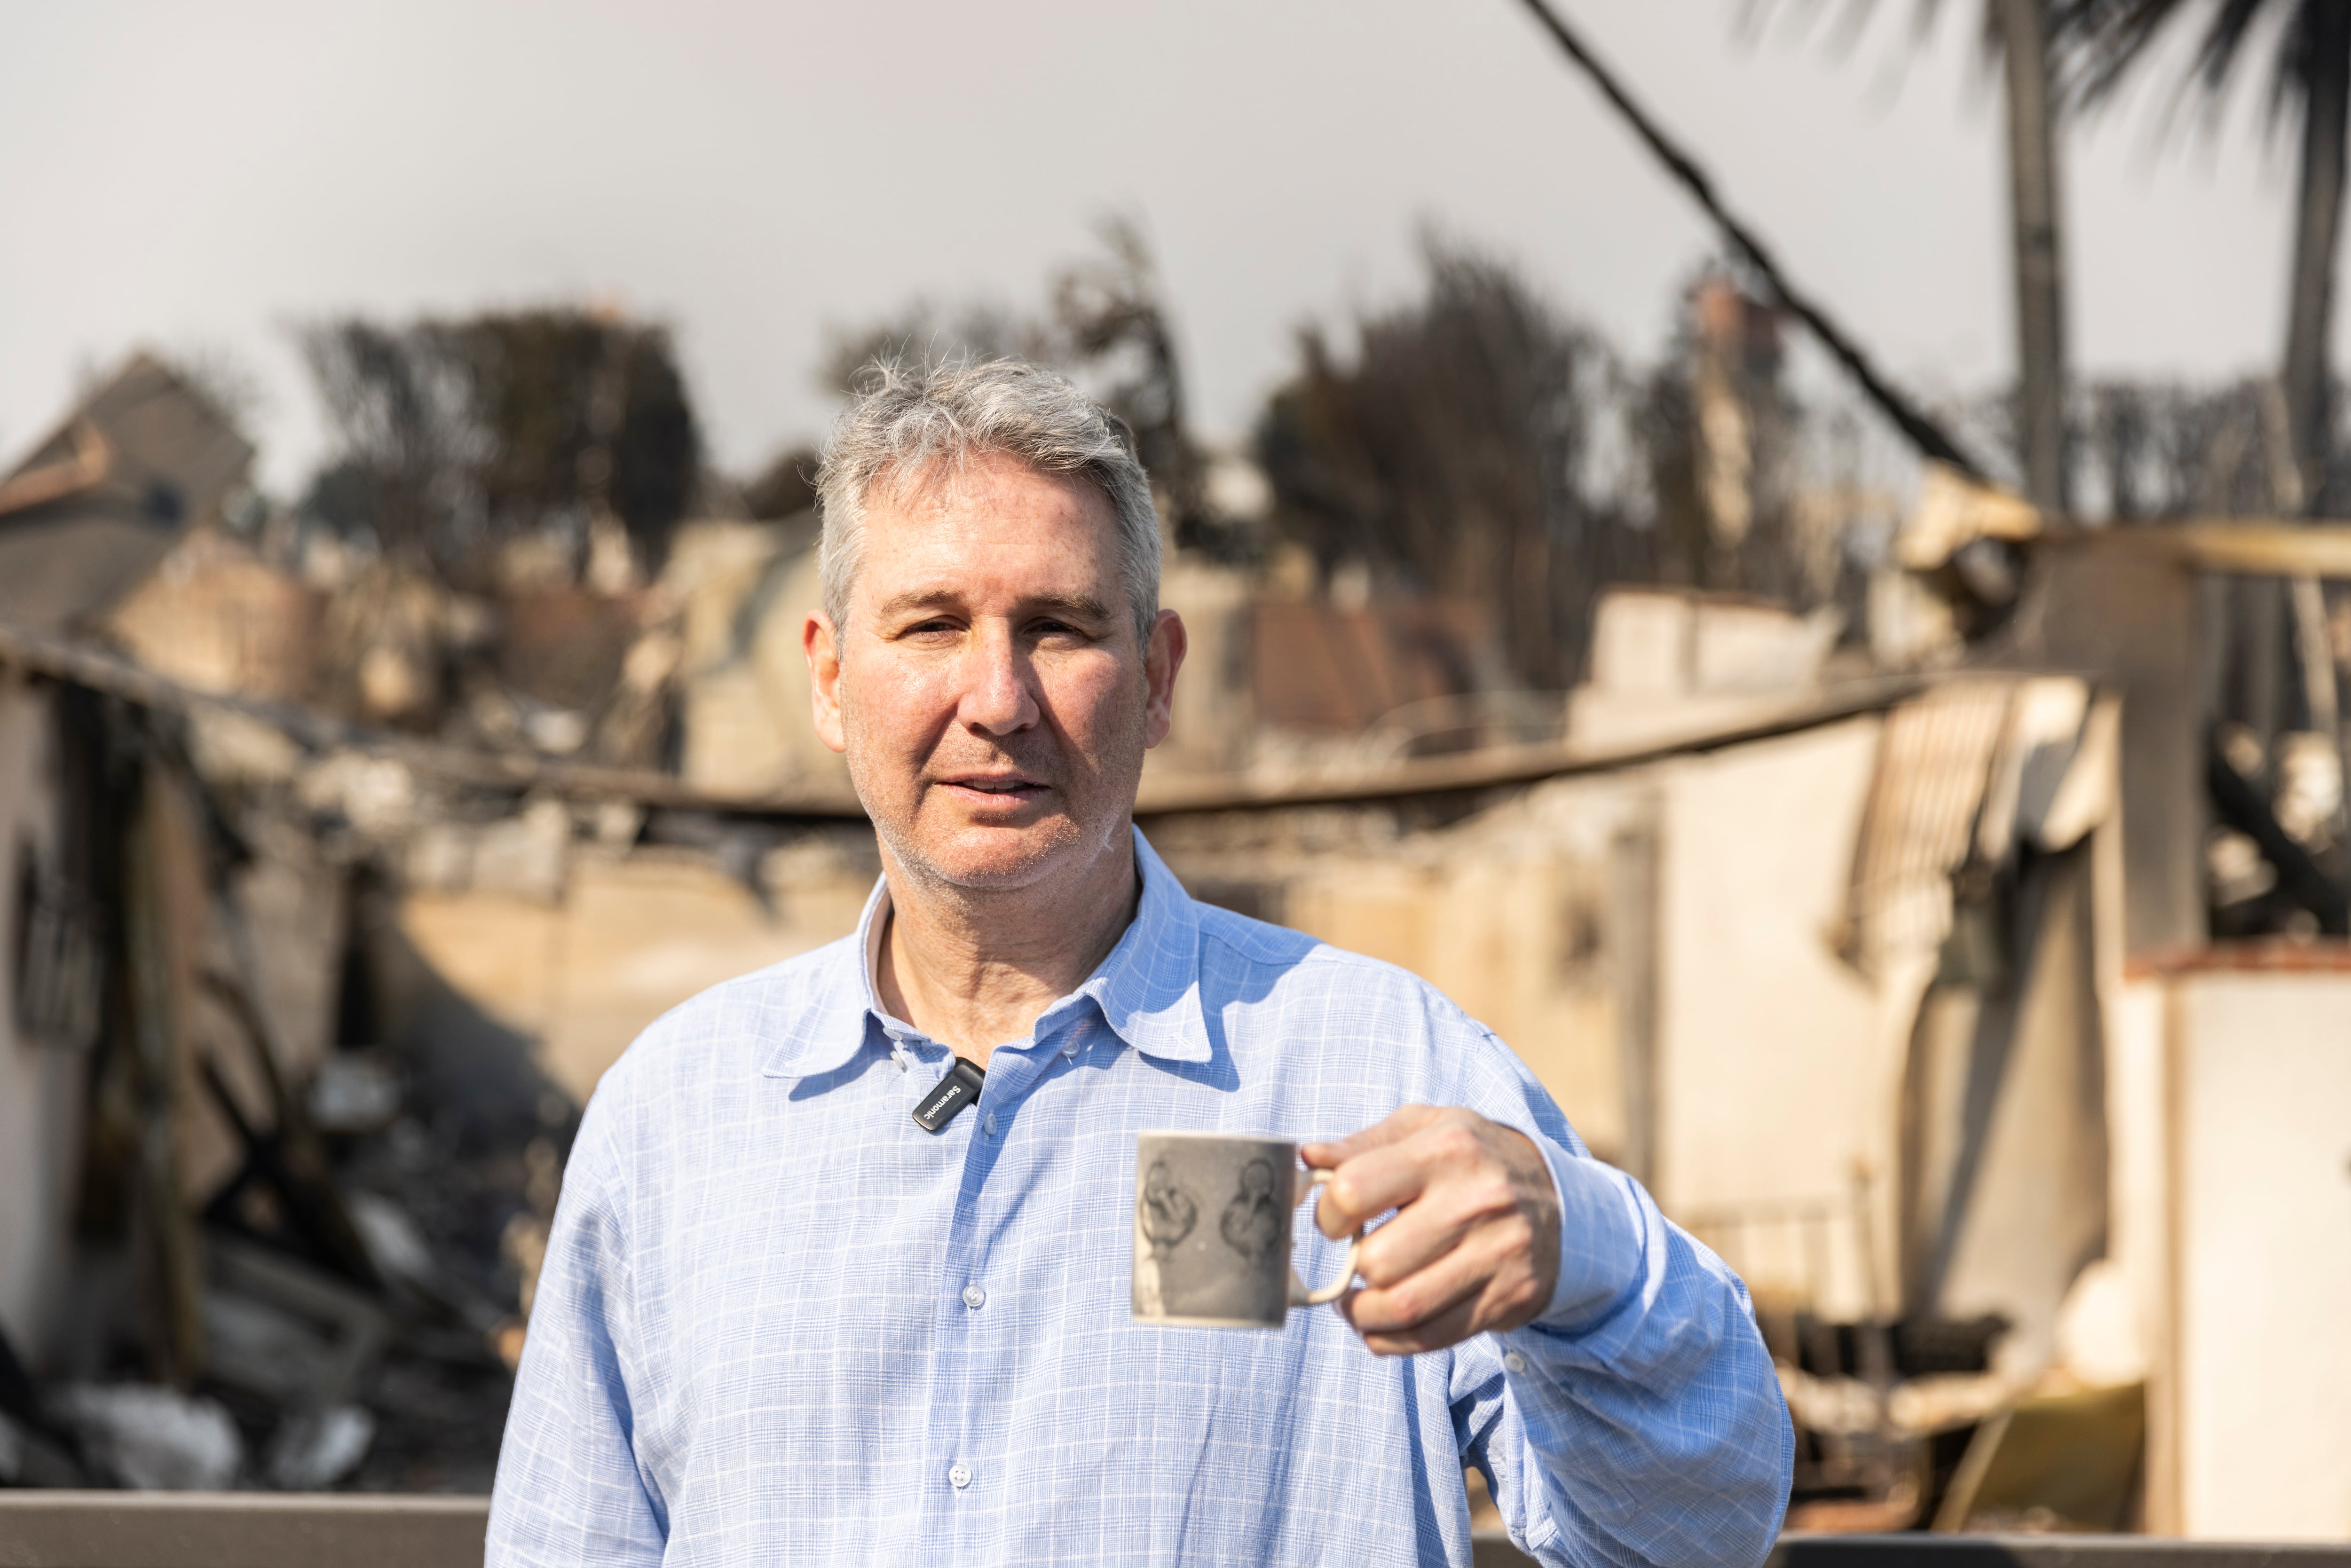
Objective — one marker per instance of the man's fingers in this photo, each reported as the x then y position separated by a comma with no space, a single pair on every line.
1450,1327
1366,1171
1420,1234
1473,1245
1395,1128
1426,1294
1415,1304
1393,1174
1439,1333
1367,1186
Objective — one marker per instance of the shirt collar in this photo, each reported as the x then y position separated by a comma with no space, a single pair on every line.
1147,989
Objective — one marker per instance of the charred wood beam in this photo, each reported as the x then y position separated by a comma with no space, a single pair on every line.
303,1171
2240,805
170,1252
313,1206
1923,433
98,669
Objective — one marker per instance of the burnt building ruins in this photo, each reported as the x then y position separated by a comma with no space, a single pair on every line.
1966,977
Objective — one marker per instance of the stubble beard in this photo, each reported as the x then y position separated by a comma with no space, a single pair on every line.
1094,810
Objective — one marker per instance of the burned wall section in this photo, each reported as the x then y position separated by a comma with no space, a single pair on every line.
48,1008
296,1040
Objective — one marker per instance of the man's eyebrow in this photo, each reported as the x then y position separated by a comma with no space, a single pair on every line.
1079,606
1082,606
916,599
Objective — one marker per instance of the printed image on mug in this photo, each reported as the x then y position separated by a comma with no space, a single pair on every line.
1212,1218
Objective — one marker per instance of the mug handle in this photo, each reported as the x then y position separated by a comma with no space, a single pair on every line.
1300,1296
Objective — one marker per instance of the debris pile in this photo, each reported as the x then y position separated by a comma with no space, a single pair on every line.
298,1260
254,1238
274,1187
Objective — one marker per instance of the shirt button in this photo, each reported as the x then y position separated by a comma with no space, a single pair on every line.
959,1475
987,1123
1514,1361
974,1297
1071,1051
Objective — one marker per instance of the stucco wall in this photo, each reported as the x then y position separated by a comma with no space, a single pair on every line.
2260,1101
40,1084
1773,1079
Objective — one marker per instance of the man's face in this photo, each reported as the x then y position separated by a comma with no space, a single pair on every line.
989,689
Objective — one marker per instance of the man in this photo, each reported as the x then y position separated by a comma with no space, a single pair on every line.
782,1321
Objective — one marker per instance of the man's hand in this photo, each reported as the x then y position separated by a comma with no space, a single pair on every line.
1474,1246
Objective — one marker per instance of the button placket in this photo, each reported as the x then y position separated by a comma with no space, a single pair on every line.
1012,1075
959,1423
917,1075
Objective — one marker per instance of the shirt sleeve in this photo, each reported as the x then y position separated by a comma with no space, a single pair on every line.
1639,1420
569,1488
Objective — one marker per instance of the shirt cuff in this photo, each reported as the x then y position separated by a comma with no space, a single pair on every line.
1601,1239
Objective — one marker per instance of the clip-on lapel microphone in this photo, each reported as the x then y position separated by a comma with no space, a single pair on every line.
959,1089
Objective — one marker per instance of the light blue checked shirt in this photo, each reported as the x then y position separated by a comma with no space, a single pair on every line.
779,1322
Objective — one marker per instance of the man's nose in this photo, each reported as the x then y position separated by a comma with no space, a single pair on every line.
997,695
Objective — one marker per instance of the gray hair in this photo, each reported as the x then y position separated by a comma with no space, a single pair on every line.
907,420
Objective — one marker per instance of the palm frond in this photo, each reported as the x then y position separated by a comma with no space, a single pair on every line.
1854,17
2101,46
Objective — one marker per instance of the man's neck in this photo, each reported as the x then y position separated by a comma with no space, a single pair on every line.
973,970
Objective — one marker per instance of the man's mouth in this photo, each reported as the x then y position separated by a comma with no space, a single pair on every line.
1005,786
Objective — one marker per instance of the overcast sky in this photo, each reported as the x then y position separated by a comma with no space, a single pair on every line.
199,176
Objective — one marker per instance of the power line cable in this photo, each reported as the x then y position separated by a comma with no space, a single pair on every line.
1924,433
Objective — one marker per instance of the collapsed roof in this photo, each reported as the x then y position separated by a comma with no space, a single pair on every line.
93,508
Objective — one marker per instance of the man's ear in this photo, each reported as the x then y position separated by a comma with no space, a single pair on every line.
1163,656
822,648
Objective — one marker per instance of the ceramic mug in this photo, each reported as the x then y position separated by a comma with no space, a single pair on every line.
1212,1231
